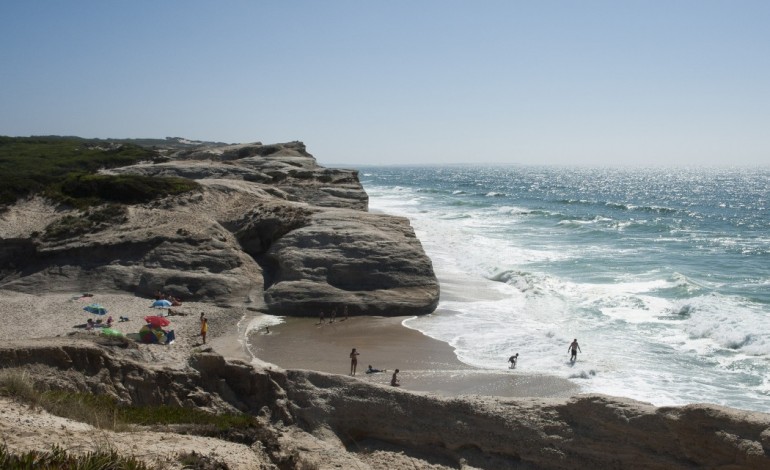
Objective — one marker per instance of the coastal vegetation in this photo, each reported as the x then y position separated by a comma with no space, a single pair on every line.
88,221
103,412
64,169
59,459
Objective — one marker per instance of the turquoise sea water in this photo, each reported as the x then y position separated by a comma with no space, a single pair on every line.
663,274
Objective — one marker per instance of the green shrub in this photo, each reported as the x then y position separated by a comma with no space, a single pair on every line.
48,165
129,189
91,220
195,461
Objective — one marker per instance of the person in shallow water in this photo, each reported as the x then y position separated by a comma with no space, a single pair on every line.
513,359
372,370
574,347
353,361
394,380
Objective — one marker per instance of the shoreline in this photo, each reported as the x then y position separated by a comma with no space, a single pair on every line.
238,333
425,364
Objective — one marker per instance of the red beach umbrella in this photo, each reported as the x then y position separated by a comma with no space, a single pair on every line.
155,320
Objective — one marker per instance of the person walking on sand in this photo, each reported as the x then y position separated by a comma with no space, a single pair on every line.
320,317
574,347
394,380
353,361
513,360
334,315
204,329
345,312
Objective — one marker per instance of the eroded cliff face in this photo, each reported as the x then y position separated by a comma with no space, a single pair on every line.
336,420
270,227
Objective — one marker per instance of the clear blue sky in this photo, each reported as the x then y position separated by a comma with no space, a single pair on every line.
401,81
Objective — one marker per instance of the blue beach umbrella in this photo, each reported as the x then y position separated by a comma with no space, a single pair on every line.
162,303
95,308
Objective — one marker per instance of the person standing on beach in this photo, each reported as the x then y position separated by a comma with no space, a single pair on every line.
204,329
320,317
334,315
353,361
345,312
394,380
574,347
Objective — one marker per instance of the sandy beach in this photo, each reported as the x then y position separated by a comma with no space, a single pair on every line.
429,369
425,364
61,314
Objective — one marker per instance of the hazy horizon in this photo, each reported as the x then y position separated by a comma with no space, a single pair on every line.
633,83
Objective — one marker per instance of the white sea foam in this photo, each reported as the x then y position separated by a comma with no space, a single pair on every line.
260,321
651,323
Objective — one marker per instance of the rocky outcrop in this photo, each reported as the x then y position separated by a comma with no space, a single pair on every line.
590,431
287,169
269,227
371,263
117,368
352,419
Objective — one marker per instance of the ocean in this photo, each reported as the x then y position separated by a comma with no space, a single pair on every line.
661,274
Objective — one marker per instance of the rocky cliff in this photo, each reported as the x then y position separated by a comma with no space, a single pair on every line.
270,227
339,422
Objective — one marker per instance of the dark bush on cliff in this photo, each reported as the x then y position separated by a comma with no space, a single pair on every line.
92,220
129,189
42,165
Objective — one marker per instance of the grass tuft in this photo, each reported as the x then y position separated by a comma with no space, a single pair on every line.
58,459
102,411
17,385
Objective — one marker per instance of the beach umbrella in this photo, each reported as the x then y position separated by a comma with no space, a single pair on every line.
95,308
162,303
157,321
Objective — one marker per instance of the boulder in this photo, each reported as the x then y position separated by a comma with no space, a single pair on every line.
372,263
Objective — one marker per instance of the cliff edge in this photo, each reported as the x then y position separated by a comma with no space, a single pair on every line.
332,421
269,227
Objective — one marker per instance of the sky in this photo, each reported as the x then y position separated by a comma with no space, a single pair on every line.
630,82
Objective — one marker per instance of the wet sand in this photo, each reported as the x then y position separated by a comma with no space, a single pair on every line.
425,364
